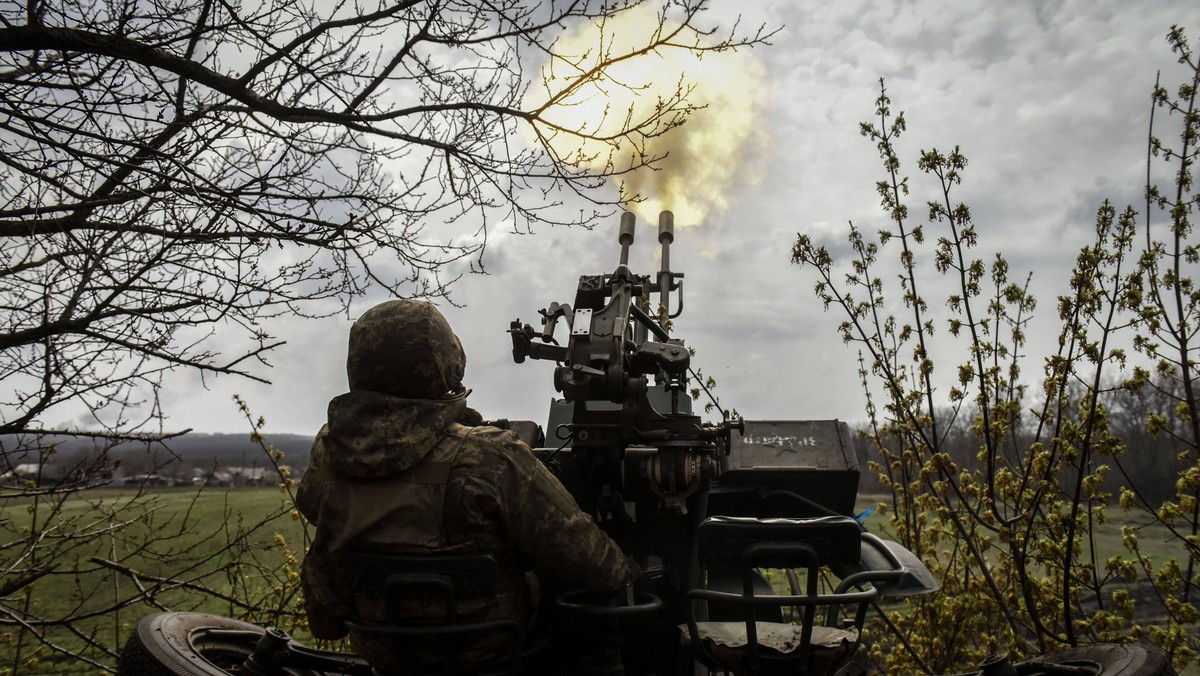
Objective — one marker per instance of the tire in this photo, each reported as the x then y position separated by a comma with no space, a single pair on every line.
1106,659
187,644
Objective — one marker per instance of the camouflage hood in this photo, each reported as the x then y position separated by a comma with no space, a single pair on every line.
373,435
405,348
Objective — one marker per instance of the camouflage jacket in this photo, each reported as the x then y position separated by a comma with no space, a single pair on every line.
403,475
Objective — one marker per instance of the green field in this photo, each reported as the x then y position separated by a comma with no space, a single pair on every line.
215,551
1155,540
122,555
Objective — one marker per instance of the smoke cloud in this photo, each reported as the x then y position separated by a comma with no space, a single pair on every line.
706,159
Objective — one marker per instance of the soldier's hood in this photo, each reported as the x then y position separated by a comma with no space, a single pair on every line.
371,434
405,348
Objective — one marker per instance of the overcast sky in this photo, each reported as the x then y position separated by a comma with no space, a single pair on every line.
1048,100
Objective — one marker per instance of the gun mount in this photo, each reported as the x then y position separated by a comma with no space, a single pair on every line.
624,382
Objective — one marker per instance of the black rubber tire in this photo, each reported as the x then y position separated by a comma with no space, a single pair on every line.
187,644
1108,658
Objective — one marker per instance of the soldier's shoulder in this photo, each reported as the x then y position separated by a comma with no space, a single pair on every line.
318,455
492,434
486,445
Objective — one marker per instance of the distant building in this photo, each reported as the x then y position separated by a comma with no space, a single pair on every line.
252,476
145,480
43,473
236,476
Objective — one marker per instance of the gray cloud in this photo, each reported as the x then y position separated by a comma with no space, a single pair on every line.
1048,99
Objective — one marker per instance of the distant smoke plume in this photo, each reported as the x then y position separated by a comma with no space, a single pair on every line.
708,158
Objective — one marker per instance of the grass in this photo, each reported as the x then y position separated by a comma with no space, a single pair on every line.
121,554
1155,541
215,551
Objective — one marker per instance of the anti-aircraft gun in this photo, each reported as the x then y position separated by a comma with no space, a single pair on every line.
624,382
623,437
625,442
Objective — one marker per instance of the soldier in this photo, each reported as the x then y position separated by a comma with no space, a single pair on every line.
404,466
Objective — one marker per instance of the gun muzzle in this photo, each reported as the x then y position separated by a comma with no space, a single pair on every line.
625,238
666,228
666,235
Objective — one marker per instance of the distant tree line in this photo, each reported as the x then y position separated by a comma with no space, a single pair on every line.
1150,461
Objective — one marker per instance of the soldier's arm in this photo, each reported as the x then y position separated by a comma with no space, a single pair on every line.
308,494
321,603
547,526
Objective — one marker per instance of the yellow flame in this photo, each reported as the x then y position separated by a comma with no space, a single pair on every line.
707,158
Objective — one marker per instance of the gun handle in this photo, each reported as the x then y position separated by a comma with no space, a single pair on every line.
521,338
